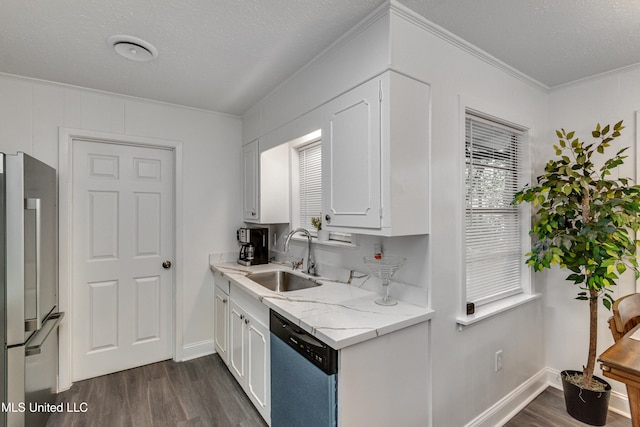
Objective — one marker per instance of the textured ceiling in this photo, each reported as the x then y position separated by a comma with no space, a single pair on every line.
554,42
225,55
217,55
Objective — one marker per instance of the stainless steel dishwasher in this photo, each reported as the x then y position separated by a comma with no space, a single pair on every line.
303,377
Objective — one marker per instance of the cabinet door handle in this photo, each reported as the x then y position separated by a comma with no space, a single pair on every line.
327,217
246,321
242,317
224,300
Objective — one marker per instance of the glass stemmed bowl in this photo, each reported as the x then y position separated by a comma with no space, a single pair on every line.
384,267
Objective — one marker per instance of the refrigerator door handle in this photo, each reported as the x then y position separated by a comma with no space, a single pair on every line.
35,324
34,345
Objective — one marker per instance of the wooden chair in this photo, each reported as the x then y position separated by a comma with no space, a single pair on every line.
626,315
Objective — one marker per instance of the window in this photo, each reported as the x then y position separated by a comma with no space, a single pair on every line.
310,182
494,227
306,184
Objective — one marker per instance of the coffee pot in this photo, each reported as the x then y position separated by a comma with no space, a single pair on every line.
248,252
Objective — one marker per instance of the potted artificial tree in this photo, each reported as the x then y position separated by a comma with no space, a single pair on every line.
585,220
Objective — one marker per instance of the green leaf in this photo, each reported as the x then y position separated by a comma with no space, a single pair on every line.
576,278
597,248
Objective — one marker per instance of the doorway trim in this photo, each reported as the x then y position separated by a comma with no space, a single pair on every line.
65,209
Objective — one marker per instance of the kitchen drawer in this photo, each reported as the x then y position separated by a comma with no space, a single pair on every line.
222,282
251,305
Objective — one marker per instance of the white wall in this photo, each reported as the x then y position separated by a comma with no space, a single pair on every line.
580,106
463,361
32,111
461,366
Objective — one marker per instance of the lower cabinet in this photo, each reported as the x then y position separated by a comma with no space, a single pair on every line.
366,389
249,359
221,322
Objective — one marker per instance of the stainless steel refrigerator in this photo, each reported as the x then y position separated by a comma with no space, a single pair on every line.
29,314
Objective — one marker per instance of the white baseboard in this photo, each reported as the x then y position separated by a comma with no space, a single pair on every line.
507,407
197,349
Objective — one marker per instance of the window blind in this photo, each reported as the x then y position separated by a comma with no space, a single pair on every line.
493,225
310,166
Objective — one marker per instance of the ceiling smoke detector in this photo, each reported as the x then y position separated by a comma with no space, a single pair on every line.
133,48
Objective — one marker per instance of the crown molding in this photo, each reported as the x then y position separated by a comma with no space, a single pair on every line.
404,12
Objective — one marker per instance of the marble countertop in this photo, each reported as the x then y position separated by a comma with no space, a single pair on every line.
339,313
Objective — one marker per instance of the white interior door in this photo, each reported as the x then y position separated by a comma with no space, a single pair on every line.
122,234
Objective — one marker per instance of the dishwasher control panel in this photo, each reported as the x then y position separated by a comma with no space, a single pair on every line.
314,350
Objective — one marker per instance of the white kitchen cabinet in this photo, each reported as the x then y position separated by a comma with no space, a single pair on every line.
237,341
221,317
249,359
375,154
250,174
385,381
258,384
265,184
351,158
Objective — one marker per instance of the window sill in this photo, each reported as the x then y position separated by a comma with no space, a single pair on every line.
492,309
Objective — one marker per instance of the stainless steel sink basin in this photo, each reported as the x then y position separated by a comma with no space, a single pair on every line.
282,281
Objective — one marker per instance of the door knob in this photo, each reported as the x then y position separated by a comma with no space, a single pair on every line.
166,264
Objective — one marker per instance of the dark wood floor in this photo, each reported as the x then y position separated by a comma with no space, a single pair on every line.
548,410
202,392
198,392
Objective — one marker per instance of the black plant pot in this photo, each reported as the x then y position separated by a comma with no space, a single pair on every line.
584,405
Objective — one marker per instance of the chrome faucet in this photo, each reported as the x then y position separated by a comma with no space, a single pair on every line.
311,266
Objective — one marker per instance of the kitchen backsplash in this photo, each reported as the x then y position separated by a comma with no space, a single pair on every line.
345,263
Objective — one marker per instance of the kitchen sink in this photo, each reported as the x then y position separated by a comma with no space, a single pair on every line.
282,281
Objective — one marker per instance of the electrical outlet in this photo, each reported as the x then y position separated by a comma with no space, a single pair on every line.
498,360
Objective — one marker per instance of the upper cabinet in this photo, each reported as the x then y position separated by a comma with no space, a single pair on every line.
265,184
351,158
375,161
250,174
375,155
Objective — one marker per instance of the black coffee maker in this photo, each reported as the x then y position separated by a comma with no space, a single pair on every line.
255,246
